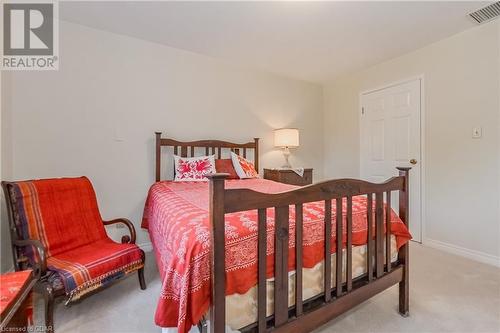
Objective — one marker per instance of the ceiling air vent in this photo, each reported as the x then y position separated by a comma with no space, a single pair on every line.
487,13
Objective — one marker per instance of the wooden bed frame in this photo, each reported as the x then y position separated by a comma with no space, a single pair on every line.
307,315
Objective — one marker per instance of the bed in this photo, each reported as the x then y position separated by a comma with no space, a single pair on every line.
251,254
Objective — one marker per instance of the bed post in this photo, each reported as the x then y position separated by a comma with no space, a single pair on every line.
256,154
403,254
158,156
217,258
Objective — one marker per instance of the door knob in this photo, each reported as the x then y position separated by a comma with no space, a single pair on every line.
413,161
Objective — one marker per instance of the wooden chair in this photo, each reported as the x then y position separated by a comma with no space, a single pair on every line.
56,230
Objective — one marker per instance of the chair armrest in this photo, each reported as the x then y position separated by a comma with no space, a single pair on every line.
125,239
41,265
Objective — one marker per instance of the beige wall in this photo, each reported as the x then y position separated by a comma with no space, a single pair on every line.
5,171
64,123
110,87
498,131
5,257
461,175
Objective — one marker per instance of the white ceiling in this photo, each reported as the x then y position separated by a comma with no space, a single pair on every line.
314,41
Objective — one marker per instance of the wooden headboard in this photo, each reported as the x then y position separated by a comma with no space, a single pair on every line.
213,147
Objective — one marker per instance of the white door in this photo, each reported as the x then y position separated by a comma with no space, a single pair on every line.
390,137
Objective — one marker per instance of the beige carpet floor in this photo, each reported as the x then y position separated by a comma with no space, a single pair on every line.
448,294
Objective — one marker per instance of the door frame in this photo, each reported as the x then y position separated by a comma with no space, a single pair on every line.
420,78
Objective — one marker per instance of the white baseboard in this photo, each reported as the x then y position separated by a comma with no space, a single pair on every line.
463,252
146,247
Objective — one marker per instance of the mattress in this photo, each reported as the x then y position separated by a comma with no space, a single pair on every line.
241,309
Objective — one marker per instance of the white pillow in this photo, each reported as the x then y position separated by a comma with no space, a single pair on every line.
244,168
188,169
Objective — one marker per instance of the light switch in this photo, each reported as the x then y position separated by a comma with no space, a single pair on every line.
118,133
477,132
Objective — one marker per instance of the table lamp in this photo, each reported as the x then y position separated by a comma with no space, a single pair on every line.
286,138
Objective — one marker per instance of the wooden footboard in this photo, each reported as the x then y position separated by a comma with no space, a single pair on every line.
305,316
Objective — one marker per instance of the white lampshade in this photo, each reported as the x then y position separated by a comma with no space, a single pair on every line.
286,137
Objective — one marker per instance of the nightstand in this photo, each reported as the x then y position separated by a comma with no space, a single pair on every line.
289,176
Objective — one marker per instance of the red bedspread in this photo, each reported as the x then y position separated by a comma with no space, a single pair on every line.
176,215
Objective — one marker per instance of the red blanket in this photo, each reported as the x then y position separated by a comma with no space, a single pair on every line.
62,213
176,215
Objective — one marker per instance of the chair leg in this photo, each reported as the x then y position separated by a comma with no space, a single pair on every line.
142,282
48,298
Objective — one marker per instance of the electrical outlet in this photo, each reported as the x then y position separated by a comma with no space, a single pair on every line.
477,132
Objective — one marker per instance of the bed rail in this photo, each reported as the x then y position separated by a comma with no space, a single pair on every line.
305,316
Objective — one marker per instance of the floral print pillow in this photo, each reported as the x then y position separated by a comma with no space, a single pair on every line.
244,168
188,169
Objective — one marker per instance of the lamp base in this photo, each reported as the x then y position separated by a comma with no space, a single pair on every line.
286,154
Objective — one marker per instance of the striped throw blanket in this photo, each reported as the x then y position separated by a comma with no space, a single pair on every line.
63,215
